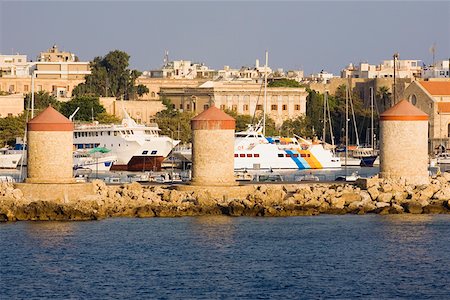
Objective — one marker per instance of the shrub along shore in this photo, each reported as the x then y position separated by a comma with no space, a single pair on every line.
374,195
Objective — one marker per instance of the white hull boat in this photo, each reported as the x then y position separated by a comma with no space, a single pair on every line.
137,147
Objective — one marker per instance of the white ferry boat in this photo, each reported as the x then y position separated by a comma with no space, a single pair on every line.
255,151
137,147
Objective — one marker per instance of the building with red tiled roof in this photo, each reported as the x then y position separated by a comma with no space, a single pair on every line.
433,97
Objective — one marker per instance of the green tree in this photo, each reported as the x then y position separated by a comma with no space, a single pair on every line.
90,107
242,122
110,76
174,123
141,90
384,97
42,100
299,126
10,128
105,118
284,82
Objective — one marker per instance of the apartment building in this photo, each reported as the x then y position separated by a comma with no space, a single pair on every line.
15,65
404,69
439,70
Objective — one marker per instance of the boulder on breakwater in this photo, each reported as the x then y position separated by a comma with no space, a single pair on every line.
375,195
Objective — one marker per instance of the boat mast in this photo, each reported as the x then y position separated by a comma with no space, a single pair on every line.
395,85
329,122
325,100
346,127
372,142
265,93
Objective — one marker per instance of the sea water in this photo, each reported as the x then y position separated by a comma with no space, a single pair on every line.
371,256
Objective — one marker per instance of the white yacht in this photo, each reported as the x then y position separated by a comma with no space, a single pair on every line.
137,147
9,159
95,161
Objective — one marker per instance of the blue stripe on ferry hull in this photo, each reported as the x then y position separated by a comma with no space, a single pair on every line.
300,162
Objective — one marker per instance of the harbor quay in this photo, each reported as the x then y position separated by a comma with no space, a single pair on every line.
98,201
399,188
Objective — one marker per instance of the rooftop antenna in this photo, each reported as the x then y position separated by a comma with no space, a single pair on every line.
166,57
433,53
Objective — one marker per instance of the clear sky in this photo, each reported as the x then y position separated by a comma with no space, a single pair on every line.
308,35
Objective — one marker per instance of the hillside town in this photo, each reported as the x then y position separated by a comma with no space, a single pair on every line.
194,87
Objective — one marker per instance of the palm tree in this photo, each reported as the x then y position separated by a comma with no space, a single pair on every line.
384,97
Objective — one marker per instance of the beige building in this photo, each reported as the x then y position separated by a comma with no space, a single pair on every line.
433,97
404,69
141,111
15,65
11,105
244,98
362,87
59,87
155,85
54,55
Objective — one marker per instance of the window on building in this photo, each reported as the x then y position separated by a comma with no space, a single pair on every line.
11,88
413,99
234,107
205,107
153,94
256,155
280,155
235,155
297,107
188,106
25,88
448,130
249,155
274,107
284,107
241,155
259,107
222,106
245,107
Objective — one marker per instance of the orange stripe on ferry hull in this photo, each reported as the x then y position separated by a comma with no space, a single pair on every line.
311,160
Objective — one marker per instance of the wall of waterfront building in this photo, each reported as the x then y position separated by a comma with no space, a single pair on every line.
437,106
61,88
156,84
362,87
141,111
11,105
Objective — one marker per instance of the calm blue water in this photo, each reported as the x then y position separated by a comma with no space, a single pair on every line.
374,257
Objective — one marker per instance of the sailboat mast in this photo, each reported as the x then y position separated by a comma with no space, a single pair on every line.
325,100
372,142
346,128
329,122
265,93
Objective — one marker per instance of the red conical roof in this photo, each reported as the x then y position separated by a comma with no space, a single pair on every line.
213,118
50,120
403,111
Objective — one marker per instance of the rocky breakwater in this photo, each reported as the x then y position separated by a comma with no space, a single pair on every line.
134,200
